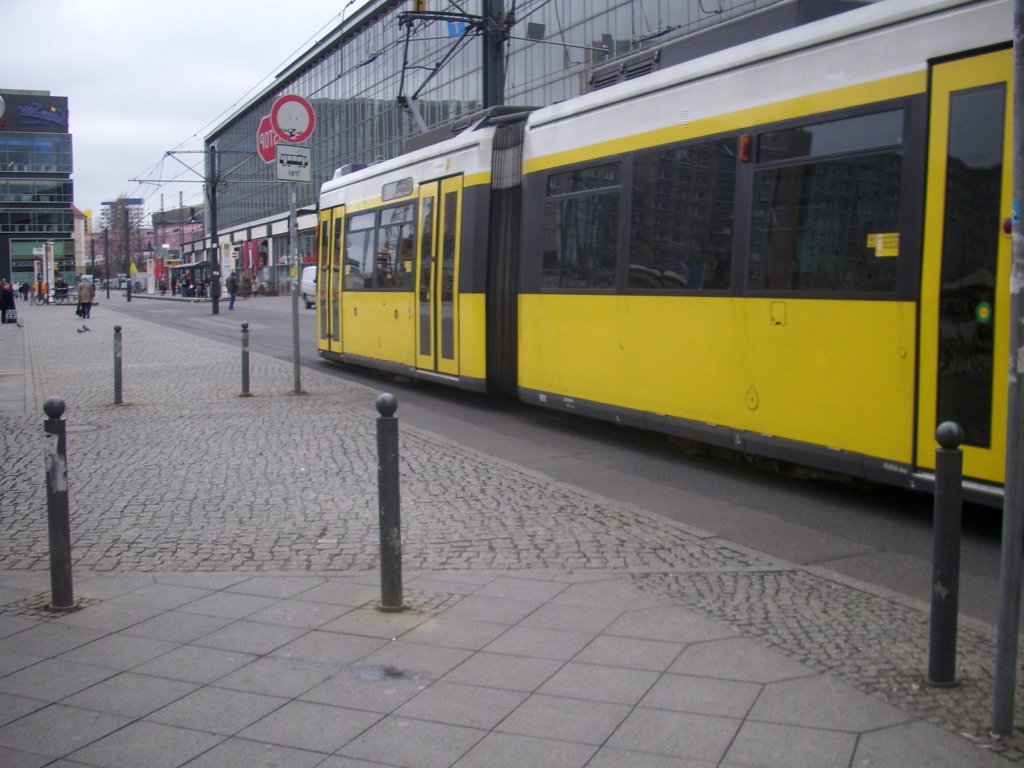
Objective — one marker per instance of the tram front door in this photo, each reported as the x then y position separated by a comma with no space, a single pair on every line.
964,294
437,276
329,277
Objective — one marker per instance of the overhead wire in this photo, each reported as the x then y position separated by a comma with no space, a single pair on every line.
157,167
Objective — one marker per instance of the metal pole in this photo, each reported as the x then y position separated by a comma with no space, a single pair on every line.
127,253
245,361
390,505
106,257
1013,496
293,238
211,187
117,365
948,502
58,518
493,39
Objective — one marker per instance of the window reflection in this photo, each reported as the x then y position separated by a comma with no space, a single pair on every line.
379,249
682,219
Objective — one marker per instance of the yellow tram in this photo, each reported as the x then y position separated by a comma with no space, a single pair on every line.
794,248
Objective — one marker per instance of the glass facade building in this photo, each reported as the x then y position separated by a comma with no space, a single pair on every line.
36,192
396,69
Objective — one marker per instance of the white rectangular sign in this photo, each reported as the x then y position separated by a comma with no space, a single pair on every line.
292,163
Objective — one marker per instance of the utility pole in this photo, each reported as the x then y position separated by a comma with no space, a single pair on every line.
106,257
494,35
127,252
211,192
181,223
1013,490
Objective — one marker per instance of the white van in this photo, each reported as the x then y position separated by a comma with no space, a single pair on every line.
307,285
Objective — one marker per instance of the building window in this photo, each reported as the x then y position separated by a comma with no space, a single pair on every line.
35,153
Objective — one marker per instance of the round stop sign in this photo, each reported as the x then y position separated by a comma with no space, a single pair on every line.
266,140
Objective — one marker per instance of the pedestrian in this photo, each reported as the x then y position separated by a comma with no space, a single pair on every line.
8,312
85,297
232,285
25,289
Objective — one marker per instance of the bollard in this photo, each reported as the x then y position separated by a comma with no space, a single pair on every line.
61,589
946,555
117,365
245,361
389,505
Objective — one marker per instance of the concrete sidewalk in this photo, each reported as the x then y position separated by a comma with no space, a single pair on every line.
226,552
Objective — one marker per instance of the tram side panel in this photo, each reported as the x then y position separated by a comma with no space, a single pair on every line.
784,320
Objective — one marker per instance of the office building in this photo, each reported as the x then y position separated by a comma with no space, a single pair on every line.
36,191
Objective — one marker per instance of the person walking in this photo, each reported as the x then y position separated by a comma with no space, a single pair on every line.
232,285
25,290
8,311
86,292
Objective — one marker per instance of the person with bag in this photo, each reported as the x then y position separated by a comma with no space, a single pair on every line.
8,311
85,296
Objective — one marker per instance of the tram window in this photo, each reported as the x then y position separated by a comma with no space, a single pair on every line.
358,259
581,226
379,249
852,134
820,226
693,248
584,179
395,247
580,237
325,243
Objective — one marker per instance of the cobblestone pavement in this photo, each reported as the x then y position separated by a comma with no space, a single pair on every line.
187,475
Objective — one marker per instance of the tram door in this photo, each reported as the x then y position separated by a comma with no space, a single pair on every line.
437,276
328,280
965,279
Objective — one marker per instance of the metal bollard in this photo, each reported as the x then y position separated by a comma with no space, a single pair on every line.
245,361
58,519
117,365
946,555
390,505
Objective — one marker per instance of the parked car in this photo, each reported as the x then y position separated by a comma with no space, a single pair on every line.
307,285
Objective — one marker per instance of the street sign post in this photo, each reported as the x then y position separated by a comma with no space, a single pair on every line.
293,120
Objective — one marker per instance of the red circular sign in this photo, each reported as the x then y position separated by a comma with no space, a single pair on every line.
266,140
292,118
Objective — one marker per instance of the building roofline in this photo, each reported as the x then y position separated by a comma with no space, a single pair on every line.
347,27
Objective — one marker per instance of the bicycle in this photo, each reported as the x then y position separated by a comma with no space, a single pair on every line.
53,297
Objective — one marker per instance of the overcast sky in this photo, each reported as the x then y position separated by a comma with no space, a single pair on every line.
143,78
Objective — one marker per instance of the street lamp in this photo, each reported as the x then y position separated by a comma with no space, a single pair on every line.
164,275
